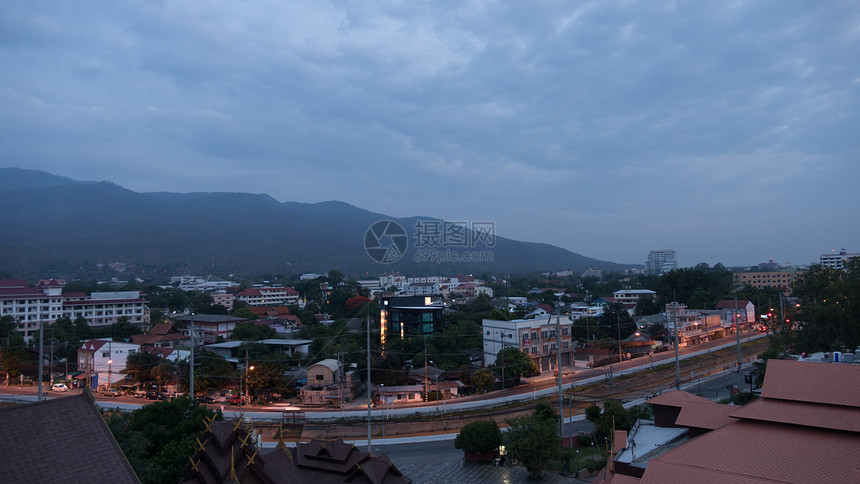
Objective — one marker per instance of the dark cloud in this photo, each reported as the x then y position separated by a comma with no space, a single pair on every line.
609,128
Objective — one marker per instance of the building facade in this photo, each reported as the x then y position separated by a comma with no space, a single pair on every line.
660,261
632,296
269,296
410,316
837,260
536,337
781,280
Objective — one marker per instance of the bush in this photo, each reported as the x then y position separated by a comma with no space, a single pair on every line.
481,436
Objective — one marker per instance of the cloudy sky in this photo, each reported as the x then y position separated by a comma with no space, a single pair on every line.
728,131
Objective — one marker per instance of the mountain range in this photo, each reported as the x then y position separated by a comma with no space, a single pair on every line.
52,226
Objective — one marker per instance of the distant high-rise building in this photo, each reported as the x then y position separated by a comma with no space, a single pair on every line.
837,260
660,261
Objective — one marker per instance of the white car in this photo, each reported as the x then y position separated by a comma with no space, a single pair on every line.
59,387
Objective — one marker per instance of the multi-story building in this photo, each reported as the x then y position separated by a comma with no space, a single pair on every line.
837,260
537,337
781,280
632,296
209,327
29,306
409,316
269,296
660,261
395,279
224,299
195,283
421,289
104,360
45,303
105,308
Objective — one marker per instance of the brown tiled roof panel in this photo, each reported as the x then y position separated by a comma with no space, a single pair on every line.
659,472
676,398
703,415
829,383
56,440
768,452
801,413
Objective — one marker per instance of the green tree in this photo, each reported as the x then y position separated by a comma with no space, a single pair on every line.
646,306
244,313
158,439
82,329
140,367
215,371
533,441
515,363
252,332
483,380
546,411
828,315
481,436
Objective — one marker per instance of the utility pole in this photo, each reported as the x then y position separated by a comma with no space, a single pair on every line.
618,323
191,369
558,369
245,397
369,447
677,359
738,332
41,357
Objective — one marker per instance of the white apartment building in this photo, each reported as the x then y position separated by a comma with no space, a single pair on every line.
837,260
660,261
30,305
269,296
422,289
195,283
105,308
105,359
632,296
537,337
395,279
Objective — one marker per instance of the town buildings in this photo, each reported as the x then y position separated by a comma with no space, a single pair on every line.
269,296
409,316
330,384
103,360
660,261
781,280
837,260
45,303
629,297
536,337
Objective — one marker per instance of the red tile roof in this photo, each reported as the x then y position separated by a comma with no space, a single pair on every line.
806,381
760,452
800,413
705,415
676,398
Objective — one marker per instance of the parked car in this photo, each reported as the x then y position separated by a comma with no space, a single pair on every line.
59,387
151,395
139,393
234,400
112,392
204,399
